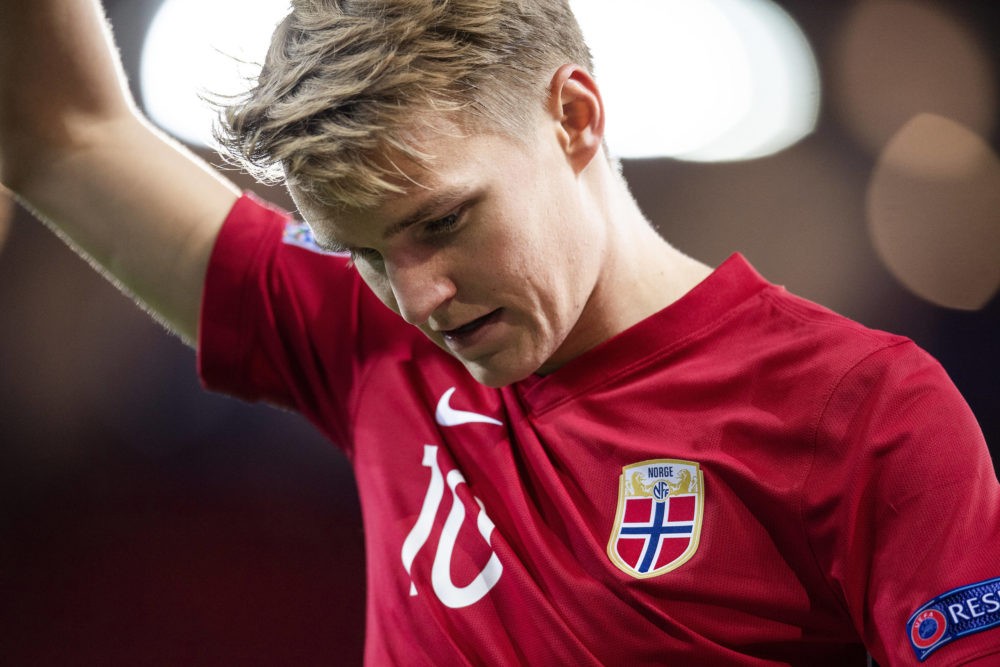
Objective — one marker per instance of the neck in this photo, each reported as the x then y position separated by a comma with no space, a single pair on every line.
642,272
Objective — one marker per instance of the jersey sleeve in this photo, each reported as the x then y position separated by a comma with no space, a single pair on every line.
904,512
281,321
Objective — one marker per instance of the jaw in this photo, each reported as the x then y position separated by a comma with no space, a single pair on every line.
496,371
500,368
489,378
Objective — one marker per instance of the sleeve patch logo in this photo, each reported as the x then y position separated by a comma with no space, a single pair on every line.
658,523
958,613
300,234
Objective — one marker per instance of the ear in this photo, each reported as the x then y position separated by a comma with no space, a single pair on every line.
575,103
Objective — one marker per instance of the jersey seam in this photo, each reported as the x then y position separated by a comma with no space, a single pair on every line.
814,439
363,372
803,315
255,265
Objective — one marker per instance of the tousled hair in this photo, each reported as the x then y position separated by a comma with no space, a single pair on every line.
347,83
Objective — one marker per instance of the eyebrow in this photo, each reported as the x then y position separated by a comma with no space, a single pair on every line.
435,204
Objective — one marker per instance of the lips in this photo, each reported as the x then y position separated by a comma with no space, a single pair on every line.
468,333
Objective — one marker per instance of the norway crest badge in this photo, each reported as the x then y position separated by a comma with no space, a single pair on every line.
658,523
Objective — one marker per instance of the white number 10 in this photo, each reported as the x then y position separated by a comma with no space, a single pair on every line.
451,595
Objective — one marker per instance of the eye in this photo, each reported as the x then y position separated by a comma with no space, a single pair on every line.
443,225
367,255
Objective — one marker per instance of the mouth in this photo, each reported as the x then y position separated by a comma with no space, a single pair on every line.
468,333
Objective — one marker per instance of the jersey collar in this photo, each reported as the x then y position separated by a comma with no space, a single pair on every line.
733,283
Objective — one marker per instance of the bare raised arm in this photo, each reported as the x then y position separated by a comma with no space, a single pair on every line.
74,149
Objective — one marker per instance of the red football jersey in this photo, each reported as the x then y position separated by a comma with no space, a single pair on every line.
744,478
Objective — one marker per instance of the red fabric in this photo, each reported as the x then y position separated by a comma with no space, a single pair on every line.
845,482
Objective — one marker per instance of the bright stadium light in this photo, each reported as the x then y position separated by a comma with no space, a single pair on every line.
701,80
698,80
195,48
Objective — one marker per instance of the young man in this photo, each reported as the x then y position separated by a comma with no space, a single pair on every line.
574,445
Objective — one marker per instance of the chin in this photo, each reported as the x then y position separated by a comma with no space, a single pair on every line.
497,376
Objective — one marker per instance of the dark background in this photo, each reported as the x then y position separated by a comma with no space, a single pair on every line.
146,522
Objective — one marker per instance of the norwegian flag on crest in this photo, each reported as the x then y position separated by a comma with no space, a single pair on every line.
658,523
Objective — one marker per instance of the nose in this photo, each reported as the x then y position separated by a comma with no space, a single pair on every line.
419,288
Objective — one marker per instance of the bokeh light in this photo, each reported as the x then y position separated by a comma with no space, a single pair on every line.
895,59
697,80
701,81
195,48
934,212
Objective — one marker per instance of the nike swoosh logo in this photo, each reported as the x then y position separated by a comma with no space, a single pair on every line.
449,416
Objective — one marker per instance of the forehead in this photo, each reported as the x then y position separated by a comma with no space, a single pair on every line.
457,164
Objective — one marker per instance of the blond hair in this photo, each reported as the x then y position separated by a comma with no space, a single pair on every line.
346,82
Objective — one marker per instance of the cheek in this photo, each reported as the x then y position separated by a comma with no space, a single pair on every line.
524,256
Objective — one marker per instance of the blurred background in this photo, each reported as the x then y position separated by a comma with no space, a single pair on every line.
146,522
